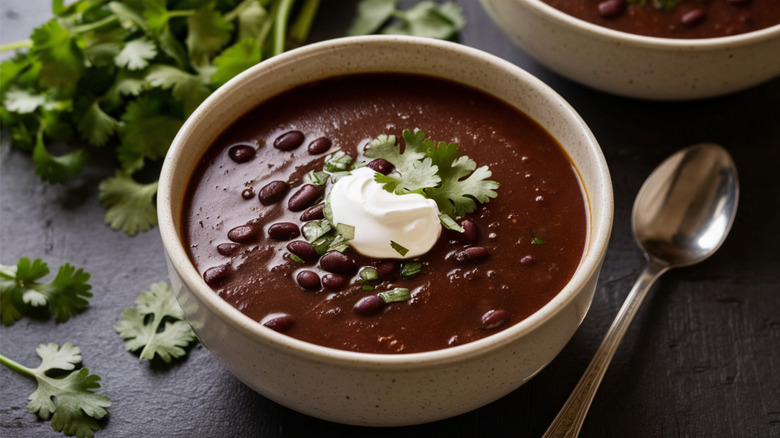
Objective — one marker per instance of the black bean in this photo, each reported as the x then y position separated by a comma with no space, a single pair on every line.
273,192
472,253
303,249
284,231
386,268
228,249
278,321
381,165
217,275
494,318
313,213
336,262
304,197
335,281
470,232
369,305
692,17
610,8
309,279
248,193
241,153
319,145
527,260
289,140
244,233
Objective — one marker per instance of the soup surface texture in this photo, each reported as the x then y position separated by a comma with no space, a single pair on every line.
675,18
517,252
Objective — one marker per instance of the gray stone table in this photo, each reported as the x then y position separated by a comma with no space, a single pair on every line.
702,358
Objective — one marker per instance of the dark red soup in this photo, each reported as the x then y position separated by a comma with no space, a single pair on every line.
675,18
248,201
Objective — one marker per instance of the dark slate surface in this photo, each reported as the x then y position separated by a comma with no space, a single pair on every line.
702,359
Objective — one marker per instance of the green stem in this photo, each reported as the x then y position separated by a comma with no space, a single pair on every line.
95,24
16,366
280,26
16,45
181,13
299,31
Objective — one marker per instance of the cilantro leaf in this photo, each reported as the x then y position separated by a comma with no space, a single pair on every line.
413,170
135,55
56,169
20,288
424,19
235,59
147,131
156,326
96,126
61,59
128,203
23,101
208,34
69,401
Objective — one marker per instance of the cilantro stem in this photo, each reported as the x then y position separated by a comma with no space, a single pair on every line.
16,45
16,366
299,31
84,28
280,26
181,13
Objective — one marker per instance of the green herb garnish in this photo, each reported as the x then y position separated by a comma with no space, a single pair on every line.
395,295
156,326
435,170
369,273
427,18
346,231
410,269
399,248
21,290
64,394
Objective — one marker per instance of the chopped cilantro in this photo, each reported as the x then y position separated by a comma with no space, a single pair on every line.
64,394
369,273
20,289
398,248
395,295
410,269
346,231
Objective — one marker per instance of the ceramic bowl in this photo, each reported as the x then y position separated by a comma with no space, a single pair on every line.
376,389
633,65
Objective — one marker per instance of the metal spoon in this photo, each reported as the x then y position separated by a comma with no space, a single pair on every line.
681,216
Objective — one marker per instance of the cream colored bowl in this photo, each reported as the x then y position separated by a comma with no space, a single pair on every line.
374,389
633,65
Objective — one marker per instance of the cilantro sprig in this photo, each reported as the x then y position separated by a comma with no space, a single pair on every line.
68,400
156,326
125,75
21,290
435,170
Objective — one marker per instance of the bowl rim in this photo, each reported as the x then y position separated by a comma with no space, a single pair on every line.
668,44
601,225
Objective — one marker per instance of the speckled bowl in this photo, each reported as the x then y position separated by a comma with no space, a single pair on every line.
375,389
633,65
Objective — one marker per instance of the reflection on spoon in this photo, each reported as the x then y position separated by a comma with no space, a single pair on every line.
681,216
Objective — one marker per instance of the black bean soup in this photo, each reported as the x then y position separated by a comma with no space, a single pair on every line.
675,18
247,202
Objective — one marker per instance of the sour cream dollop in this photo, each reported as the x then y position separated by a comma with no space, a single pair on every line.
380,217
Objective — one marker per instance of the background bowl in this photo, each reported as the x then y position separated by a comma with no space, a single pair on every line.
373,389
638,66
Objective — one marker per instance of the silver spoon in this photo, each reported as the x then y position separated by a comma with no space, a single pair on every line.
681,216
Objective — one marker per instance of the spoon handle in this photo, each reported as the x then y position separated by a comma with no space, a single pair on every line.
569,420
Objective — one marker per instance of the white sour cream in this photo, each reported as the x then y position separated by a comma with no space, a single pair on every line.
380,217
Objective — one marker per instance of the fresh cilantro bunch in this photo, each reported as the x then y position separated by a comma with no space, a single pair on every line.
124,75
426,19
64,394
434,170
156,326
21,291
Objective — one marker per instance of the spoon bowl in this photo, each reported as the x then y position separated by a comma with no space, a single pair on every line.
681,216
685,207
